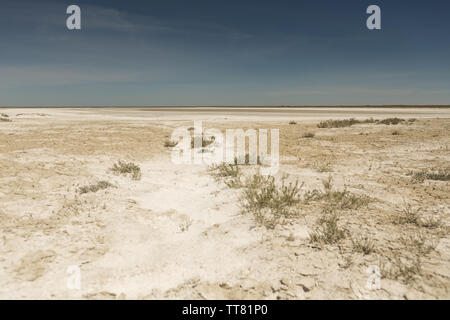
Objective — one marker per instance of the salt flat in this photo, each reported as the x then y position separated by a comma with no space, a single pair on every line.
183,231
235,113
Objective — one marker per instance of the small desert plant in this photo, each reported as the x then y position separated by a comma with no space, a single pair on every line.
122,167
170,143
391,121
420,243
328,184
438,174
234,183
321,167
230,173
363,245
352,121
418,176
370,120
409,267
4,115
345,200
396,133
308,135
292,122
405,270
5,119
408,215
101,185
430,222
224,170
337,123
342,200
348,261
327,230
267,201
185,225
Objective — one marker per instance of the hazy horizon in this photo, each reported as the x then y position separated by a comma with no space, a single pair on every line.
240,106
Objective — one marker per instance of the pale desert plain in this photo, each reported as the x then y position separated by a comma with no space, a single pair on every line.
368,219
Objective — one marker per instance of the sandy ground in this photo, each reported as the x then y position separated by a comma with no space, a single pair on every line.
180,233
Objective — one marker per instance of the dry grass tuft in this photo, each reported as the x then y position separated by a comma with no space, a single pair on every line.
230,173
122,167
267,201
391,121
408,215
170,143
327,230
340,200
363,245
308,135
407,266
101,185
337,123
350,122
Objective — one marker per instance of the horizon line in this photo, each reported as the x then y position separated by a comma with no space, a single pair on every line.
243,106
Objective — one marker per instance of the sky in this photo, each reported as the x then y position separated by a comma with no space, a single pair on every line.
224,53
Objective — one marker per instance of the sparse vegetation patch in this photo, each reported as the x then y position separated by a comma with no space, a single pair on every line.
410,215
341,200
170,143
363,245
5,118
228,172
337,123
327,230
122,167
350,122
308,135
391,121
407,267
437,174
267,201
101,185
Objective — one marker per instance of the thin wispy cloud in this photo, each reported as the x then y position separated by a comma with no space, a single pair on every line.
60,76
342,90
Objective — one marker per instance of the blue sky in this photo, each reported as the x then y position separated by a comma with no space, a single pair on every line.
139,53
